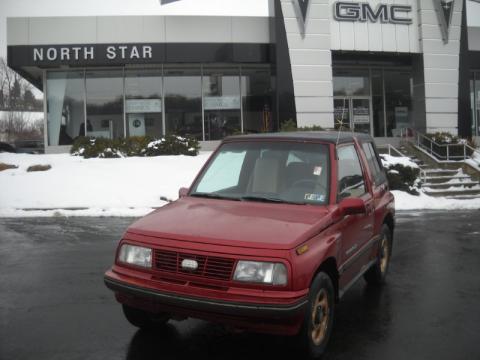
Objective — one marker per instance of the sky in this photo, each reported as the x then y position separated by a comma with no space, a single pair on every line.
29,8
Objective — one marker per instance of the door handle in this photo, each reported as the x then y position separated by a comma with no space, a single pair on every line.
370,208
383,189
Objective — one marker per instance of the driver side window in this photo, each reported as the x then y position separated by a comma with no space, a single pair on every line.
350,177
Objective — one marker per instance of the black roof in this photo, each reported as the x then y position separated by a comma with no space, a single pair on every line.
324,136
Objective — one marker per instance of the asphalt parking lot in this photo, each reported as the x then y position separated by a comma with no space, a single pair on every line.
53,304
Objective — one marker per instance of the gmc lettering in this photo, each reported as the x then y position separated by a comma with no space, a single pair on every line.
363,12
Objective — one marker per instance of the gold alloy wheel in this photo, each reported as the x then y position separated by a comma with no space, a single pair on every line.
320,317
384,254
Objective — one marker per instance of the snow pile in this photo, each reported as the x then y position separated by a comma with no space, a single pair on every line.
109,187
475,160
390,161
404,201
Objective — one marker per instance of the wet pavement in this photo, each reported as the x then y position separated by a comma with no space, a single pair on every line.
53,304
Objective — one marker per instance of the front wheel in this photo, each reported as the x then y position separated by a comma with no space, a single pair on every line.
143,319
377,273
318,323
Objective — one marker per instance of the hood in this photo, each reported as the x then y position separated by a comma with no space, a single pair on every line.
234,223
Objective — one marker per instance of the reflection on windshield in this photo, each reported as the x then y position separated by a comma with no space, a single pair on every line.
277,172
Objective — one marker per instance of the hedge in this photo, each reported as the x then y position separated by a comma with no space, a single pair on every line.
290,125
445,138
403,178
134,146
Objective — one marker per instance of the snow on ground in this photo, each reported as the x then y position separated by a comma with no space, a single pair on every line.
109,187
405,201
125,187
475,160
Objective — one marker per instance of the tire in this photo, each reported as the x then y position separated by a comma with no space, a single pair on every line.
319,316
377,274
143,319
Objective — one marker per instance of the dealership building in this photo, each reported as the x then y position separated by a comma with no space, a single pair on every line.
209,69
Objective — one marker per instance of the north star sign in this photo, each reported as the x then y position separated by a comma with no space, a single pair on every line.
363,12
76,53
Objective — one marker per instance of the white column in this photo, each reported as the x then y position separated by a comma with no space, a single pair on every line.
311,61
441,64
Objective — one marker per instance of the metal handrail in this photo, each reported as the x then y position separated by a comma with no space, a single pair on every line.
391,149
419,137
394,149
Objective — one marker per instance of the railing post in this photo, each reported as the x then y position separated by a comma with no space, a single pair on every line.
464,152
431,147
448,152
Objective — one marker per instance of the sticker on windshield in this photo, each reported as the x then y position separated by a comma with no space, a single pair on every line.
315,197
317,170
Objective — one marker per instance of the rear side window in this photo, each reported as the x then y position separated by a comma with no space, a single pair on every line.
374,164
350,177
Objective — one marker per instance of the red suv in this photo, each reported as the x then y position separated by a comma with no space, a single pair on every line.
272,232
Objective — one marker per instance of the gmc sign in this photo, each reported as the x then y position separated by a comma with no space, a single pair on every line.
363,12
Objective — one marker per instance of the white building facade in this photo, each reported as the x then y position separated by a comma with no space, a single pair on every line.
228,67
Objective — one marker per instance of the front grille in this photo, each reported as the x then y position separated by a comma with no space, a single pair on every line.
208,266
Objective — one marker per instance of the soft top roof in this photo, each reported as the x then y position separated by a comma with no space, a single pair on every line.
323,136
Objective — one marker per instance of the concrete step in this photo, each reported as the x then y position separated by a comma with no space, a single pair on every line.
458,192
463,197
466,185
441,172
443,179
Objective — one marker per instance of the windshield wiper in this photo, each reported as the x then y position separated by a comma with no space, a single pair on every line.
269,199
214,196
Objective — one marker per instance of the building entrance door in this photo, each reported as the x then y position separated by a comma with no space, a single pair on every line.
354,113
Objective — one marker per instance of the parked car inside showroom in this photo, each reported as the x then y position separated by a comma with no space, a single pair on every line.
269,237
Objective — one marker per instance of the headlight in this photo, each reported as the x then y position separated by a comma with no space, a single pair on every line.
135,255
261,272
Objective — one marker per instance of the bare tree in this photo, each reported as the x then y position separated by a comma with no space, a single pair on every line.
15,92
19,125
16,98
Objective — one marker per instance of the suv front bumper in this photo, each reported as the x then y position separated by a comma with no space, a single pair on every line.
285,318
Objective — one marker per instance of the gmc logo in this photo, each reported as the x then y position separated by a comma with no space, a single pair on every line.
363,12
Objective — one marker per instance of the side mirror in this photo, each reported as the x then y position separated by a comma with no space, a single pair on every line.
183,192
352,206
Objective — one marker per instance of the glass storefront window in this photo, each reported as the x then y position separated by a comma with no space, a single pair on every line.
383,96
257,99
352,110
143,102
183,102
351,82
398,101
105,104
341,113
205,102
65,107
377,103
221,102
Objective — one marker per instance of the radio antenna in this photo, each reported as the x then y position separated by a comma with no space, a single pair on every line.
340,120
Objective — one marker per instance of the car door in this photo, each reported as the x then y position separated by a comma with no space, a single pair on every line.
357,230
379,184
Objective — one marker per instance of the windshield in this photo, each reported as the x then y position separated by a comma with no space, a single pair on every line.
287,172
